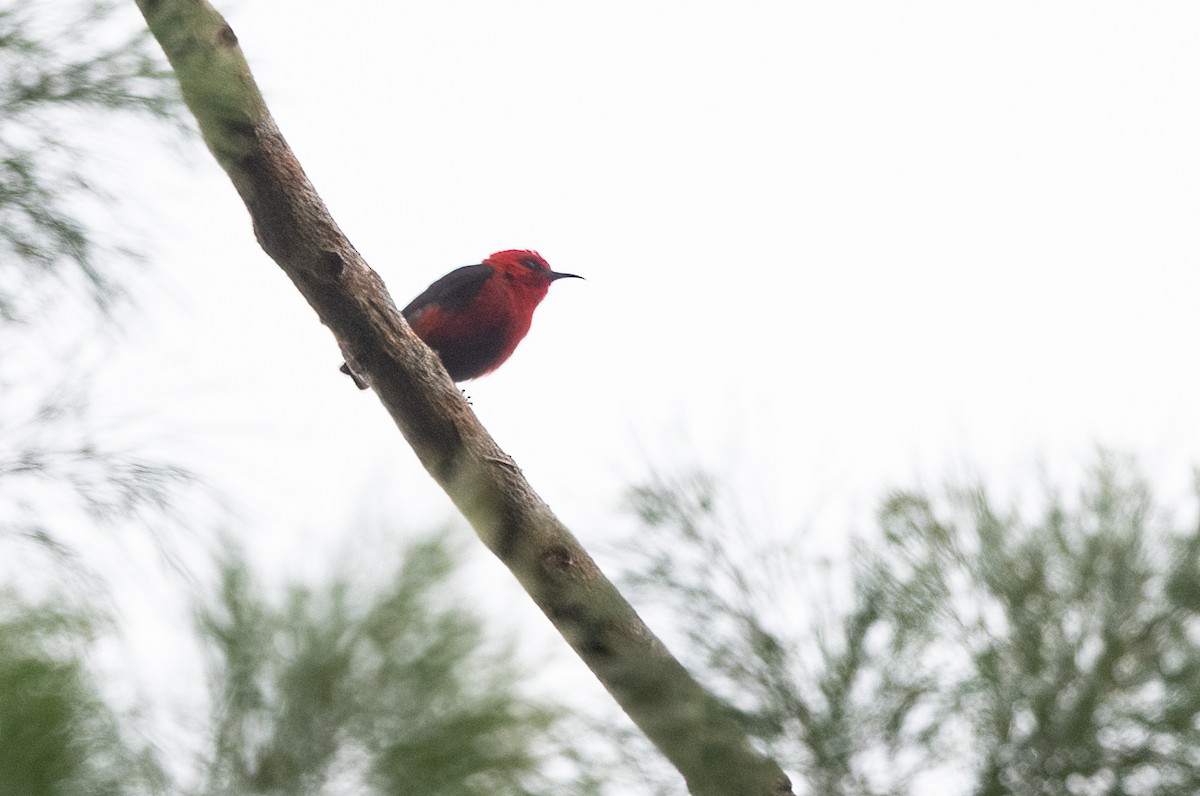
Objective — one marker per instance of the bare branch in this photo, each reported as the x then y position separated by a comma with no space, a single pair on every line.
694,730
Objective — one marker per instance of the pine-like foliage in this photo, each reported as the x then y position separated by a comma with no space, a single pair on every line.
980,648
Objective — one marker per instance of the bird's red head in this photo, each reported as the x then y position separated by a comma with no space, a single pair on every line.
526,268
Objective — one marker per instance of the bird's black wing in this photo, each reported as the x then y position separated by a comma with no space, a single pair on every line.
454,291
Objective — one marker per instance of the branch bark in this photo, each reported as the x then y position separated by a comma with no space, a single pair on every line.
691,728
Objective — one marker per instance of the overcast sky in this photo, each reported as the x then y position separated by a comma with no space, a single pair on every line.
829,247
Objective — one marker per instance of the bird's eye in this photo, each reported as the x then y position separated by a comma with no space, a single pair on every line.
533,264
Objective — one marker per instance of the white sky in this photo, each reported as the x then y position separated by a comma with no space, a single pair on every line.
830,248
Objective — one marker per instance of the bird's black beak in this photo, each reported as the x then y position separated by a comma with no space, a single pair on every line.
556,275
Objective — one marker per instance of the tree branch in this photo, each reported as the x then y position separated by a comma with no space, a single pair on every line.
693,729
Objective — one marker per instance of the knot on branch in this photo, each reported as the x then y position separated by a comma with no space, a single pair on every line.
562,561
334,263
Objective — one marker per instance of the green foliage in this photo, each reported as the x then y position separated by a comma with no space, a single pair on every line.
57,736
1080,663
346,689
64,68
395,693
57,476
1048,653
55,80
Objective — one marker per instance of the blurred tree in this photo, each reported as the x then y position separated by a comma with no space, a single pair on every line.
980,651
63,68
57,735
394,692
339,690
62,64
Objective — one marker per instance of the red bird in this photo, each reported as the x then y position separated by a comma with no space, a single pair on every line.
475,316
